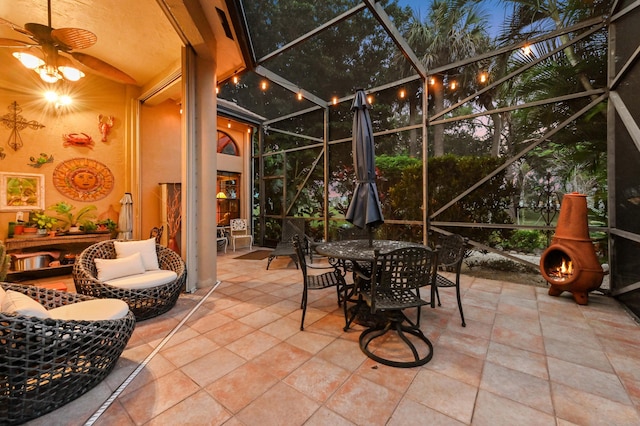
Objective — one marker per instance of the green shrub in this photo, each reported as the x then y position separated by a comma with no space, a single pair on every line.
527,241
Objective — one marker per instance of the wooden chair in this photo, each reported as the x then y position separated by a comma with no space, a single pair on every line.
240,231
315,281
395,286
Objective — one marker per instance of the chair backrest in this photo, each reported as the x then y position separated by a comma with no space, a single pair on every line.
220,233
451,250
298,245
402,270
292,226
156,232
238,226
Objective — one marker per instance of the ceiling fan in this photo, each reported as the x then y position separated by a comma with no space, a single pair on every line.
52,52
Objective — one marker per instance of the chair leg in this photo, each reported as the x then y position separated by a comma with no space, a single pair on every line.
464,324
303,306
395,324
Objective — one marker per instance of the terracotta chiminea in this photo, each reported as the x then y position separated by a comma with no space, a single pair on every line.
570,262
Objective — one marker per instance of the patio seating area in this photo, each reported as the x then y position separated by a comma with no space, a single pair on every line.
236,355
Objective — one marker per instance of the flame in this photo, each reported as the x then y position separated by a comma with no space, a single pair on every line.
566,268
562,272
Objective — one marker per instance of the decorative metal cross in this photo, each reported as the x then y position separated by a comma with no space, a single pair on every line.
15,122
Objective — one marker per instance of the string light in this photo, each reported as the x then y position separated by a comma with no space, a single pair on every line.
235,79
453,85
483,77
299,96
370,99
432,81
264,85
402,94
526,50
217,89
228,124
334,100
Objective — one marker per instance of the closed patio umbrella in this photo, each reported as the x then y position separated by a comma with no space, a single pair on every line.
125,219
364,209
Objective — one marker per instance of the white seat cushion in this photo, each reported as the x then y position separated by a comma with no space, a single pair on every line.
146,248
109,269
91,310
148,279
24,305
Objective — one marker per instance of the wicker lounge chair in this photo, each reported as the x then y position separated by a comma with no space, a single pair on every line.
145,303
46,363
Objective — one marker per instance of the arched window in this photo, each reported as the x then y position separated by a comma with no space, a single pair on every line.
226,145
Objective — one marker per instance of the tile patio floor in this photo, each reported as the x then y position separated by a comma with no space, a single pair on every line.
525,358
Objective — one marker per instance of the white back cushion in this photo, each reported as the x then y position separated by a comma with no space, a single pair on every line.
24,305
2,296
109,269
146,248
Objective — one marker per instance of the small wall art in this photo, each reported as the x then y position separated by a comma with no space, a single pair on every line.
21,191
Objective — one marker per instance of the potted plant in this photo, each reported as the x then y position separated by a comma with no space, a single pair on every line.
71,221
107,225
89,226
44,222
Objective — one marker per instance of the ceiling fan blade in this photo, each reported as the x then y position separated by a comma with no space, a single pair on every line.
39,32
74,38
103,68
9,42
15,27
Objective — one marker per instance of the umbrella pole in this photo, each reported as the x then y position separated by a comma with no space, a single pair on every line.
370,232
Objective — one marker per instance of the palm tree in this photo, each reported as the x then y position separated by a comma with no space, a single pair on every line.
452,30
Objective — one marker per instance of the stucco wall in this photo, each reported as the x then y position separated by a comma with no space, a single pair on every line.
160,158
92,96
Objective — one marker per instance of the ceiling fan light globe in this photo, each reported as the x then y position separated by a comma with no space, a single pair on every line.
48,76
29,61
71,74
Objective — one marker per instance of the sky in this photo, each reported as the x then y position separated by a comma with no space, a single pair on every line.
495,9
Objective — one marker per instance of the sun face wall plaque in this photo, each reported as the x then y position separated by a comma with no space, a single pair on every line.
83,179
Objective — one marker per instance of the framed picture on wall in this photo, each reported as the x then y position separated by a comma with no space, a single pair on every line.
21,191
